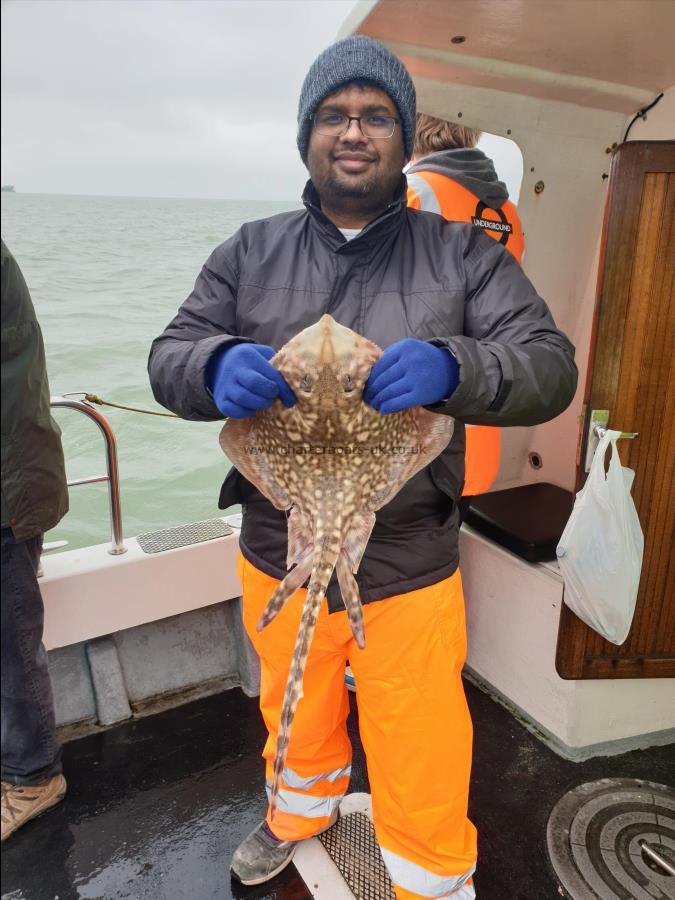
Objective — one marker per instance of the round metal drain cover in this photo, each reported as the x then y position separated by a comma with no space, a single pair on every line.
615,838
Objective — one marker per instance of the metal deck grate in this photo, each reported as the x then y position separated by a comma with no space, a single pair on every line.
353,847
183,535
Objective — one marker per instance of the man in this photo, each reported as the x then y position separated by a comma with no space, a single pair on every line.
448,175
34,499
466,334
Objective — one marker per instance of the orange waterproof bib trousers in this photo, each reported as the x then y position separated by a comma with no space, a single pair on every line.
413,719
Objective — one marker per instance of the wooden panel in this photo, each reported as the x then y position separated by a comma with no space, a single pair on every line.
632,373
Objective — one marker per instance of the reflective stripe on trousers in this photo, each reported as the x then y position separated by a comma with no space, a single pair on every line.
465,892
413,720
419,882
299,801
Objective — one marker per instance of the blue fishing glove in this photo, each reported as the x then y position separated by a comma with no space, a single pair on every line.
411,373
242,381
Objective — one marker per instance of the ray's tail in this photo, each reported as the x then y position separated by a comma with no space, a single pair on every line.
324,559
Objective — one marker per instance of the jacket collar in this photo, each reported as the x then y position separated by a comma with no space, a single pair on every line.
384,226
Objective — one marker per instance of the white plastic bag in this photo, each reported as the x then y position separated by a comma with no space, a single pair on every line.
600,551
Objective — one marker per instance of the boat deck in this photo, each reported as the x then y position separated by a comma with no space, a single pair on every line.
155,807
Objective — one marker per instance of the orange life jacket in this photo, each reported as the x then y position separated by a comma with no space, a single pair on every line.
438,193
434,192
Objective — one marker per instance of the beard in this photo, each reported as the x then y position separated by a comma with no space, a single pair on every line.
334,186
375,191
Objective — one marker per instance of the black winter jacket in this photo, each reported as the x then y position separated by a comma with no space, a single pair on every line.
34,489
407,274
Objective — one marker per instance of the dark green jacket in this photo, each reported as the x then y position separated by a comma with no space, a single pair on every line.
34,491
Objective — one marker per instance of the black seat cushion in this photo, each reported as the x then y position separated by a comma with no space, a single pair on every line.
527,520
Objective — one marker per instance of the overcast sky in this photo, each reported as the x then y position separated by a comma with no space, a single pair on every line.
169,98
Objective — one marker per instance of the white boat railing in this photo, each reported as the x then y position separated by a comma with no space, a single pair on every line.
113,478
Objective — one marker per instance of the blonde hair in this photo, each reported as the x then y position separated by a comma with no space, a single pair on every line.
432,135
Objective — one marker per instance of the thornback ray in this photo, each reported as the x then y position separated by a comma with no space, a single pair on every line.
331,461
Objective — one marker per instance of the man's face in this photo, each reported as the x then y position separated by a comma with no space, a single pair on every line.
353,165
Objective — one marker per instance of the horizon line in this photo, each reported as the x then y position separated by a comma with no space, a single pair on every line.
150,197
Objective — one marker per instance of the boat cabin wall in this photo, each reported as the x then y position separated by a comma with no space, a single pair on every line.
513,608
659,123
567,151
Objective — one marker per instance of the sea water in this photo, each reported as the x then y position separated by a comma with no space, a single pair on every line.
106,275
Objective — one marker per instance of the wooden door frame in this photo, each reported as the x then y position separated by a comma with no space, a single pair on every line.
612,296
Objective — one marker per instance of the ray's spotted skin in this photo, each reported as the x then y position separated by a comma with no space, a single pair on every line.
332,461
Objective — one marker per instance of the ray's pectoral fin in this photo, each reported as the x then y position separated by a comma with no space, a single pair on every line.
300,536
435,432
241,444
357,538
431,435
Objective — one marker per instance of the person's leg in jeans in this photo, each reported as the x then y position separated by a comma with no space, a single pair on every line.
31,756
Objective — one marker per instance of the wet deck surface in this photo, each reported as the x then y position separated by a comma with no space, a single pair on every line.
156,807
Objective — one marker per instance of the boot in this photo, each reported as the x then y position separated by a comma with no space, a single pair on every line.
23,802
262,855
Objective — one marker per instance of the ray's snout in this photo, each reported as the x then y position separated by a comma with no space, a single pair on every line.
336,340
326,341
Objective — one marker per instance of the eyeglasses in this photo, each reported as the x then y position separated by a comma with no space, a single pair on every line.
336,124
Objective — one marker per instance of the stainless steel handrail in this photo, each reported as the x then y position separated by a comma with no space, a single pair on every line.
113,476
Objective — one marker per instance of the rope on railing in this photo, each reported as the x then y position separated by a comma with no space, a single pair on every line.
94,398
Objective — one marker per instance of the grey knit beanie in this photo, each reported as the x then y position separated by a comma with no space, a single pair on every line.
351,59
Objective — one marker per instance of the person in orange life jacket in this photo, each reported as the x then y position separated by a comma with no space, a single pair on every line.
448,175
